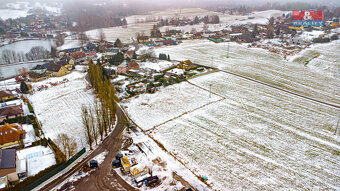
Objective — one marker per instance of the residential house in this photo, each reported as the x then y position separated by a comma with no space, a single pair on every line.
187,65
11,112
72,50
216,39
57,70
67,63
198,35
40,69
90,47
297,41
169,42
11,133
113,50
129,53
8,165
243,39
5,95
122,68
133,65
78,56
36,77
143,39
158,43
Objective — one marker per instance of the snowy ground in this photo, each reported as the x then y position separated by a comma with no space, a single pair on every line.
69,43
166,104
255,138
157,66
21,9
124,34
30,135
58,108
135,25
319,79
37,158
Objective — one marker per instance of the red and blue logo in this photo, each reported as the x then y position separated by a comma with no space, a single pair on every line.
308,18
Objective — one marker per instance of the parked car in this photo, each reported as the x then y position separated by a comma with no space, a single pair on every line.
116,164
151,180
93,164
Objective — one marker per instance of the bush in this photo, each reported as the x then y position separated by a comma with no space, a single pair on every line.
21,119
321,40
60,157
334,37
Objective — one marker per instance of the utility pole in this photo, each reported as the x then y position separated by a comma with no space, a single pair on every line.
210,90
337,125
228,51
212,61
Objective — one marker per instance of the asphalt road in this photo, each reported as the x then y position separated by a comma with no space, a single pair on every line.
103,178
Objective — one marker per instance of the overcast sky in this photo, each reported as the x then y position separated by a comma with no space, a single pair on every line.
331,3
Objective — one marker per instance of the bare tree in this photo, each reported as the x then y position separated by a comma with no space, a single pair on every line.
205,28
60,39
270,28
93,127
101,35
87,125
37,52
68,146
83,38
100,126
23,72
193,30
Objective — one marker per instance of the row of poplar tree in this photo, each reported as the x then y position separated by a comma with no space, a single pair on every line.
99,120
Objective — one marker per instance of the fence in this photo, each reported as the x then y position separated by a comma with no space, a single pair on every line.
55,171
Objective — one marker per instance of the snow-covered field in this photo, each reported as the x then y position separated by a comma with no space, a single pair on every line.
59,108
69,43
21,9
124,34
135,25
256,138
166,104
319,79
26,45
157,66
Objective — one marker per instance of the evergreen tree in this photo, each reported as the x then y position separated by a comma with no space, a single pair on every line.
23,87
168,57
134,56
118,43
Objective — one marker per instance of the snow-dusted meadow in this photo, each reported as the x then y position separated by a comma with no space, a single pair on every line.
58,108
319,79
149,110
256,137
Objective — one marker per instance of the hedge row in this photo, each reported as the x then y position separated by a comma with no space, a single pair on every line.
30,108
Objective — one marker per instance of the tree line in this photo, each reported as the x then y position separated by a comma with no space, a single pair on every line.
99,120
10,56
